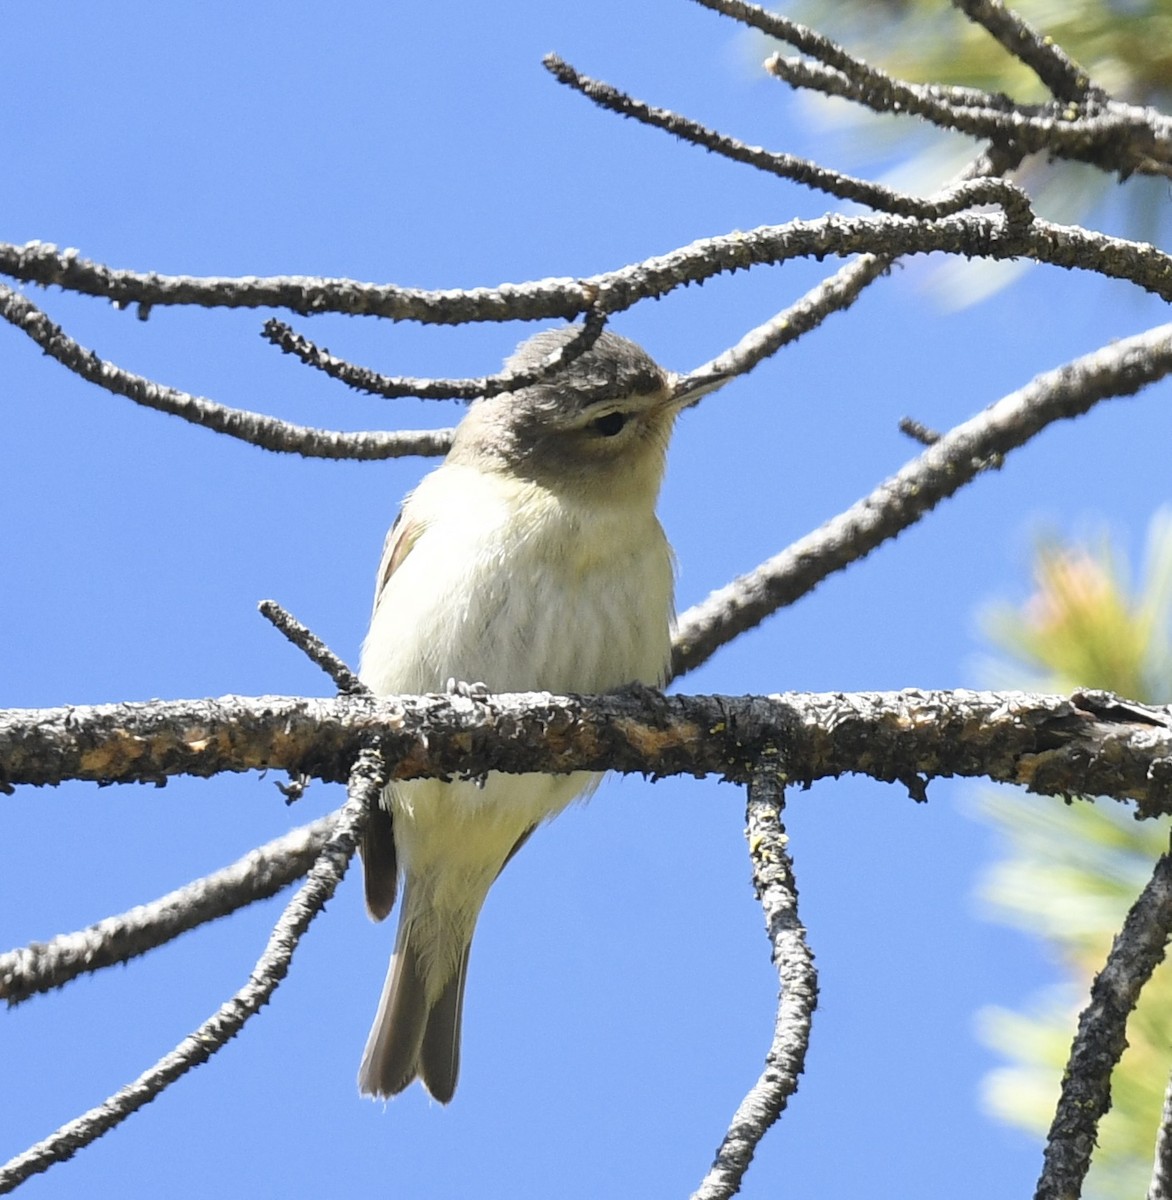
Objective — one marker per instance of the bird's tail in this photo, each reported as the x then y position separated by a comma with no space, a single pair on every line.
416,1036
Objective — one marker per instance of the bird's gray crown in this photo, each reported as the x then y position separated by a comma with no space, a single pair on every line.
612,367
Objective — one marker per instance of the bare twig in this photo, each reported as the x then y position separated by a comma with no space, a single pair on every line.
1102,1037
1119,369
834,294
315,649
918,431
801,37
254,428
366,779
801,170
773,879
259,874
1065,79
1113,136
394,386
967,110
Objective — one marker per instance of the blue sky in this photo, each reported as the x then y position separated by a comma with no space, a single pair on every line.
620,996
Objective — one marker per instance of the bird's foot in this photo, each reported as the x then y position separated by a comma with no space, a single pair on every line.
469,691
474,692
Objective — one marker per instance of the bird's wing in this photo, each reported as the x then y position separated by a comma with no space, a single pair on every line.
379,857
401,539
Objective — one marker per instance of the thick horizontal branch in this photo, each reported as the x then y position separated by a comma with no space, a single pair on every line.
1089,744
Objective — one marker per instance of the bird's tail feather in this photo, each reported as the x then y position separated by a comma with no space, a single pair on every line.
413,1037
439,1055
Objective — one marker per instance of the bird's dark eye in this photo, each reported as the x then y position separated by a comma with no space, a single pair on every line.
609,425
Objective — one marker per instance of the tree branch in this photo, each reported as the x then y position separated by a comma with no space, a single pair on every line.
835,293
261,873
1064,78
1084,124
1102,1037
1113,135
969,194
313,648
969,234
1120,369
363,379
776,887
366,780
809,41
255,428
886,237
1086,744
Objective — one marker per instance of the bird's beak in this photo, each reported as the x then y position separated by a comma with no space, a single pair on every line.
686,390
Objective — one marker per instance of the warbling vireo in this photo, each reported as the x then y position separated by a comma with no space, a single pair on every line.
530,560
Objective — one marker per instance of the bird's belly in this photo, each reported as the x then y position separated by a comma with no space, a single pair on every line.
453,839
469,827
519,619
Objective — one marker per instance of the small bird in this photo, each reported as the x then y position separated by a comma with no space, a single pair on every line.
530,560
